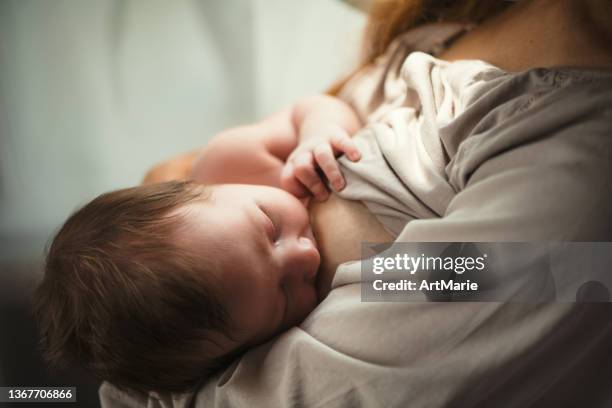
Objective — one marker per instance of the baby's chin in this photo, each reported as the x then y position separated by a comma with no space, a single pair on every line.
310,302
322,285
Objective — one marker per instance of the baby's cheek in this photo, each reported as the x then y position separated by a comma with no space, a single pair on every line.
253,310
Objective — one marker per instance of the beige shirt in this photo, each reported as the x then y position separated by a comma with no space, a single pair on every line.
458,151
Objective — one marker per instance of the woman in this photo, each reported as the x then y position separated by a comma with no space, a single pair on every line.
497,130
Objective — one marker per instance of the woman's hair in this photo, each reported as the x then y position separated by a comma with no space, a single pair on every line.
389,18
122,299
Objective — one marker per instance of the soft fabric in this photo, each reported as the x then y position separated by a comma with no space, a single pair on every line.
458,151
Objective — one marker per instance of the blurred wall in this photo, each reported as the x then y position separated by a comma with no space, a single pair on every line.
93,92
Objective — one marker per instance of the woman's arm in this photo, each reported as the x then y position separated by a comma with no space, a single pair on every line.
176,168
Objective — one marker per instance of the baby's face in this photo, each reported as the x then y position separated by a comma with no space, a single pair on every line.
263,240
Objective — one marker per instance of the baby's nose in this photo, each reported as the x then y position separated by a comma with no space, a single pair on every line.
305,257
306,243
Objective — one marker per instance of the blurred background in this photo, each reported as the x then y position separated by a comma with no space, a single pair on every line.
94,92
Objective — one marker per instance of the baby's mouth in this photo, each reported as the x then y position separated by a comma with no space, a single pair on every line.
308,242
310,232
310,236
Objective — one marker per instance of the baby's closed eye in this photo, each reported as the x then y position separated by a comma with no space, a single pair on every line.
274,228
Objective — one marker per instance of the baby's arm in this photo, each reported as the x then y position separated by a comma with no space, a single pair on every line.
256,154
245,154
250,154
325,125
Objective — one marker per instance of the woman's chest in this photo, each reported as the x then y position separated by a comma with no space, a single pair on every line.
340,226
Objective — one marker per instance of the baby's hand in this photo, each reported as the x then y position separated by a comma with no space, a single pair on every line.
301,175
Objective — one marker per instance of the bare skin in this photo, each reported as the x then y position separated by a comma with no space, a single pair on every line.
541,33
339,227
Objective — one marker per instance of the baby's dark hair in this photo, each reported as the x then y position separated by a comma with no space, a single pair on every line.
122,299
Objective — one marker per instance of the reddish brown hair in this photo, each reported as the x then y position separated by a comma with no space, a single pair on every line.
122,299
389,18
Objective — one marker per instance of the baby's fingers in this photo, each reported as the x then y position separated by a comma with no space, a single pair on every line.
291,184
342,142
305,172
326,160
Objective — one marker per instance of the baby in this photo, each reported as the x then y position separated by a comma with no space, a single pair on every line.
158,286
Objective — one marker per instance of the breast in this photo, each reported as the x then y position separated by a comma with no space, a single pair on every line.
340,226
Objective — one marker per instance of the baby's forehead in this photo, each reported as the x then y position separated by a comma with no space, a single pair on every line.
235,238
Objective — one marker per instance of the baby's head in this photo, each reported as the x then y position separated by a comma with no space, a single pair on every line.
156,287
